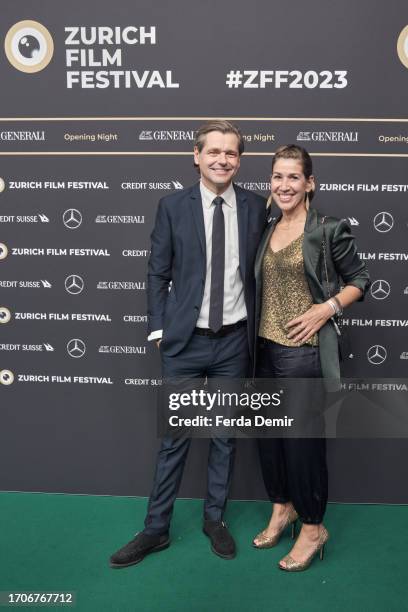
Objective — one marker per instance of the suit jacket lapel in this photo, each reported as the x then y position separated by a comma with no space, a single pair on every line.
198,216
312,244
242,215
263,245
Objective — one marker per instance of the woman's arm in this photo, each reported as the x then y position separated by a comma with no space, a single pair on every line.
354,274
346,260
304,327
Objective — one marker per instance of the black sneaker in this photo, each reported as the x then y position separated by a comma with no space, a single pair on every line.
222,542
135,551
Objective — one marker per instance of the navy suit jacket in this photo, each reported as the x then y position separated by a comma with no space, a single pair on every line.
178,255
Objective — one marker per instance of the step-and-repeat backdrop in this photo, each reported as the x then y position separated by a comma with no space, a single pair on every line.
99,106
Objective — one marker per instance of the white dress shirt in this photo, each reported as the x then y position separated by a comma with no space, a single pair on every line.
234,308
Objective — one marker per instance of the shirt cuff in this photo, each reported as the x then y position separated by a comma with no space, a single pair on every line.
155,335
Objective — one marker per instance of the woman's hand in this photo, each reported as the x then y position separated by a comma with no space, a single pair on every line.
304,327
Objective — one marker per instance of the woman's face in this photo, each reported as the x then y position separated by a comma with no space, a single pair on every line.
289,185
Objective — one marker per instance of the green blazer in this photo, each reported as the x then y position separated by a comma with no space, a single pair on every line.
343,264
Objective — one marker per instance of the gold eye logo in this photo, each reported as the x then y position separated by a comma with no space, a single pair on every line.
3,251
5,315
6,377
29,46
402,46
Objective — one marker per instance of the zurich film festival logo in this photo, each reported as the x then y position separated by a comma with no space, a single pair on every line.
402,46
29,46
3,251
6,377
5,315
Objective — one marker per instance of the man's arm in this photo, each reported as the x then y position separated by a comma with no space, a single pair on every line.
159,272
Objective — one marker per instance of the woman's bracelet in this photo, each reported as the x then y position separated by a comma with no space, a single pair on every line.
332,305
339,306
335,305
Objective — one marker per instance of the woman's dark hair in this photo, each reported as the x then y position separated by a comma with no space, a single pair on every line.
299,154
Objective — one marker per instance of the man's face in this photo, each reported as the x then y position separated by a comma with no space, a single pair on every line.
218,160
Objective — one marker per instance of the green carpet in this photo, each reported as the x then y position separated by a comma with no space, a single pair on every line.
62,543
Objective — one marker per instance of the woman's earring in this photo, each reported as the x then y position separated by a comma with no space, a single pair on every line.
307,202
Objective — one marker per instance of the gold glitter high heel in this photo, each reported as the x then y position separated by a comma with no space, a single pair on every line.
298,566
270,541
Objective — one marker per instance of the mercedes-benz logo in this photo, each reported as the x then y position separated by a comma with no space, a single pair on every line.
383,222
376,354
76,348
380,289
5,315
74,284
72,218
6,377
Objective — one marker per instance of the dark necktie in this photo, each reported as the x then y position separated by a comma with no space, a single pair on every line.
217,267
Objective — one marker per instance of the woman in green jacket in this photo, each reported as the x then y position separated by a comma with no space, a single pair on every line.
300,260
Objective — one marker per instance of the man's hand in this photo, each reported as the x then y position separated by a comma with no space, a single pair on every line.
158,342
304,327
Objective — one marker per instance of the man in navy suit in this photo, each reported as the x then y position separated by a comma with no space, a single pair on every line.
203,248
